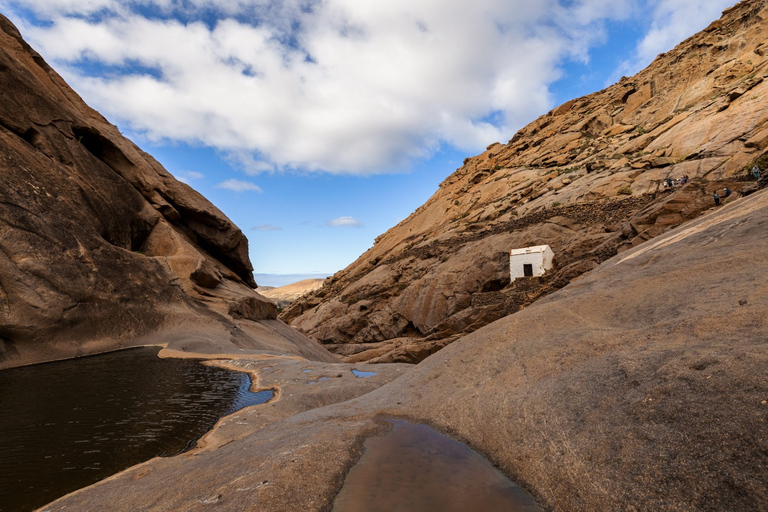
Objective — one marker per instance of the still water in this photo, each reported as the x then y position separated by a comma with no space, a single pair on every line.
68,424
413,468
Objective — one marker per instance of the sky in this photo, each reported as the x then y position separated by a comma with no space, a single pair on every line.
316,125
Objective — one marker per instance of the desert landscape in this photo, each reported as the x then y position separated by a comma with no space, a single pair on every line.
633,375
285,295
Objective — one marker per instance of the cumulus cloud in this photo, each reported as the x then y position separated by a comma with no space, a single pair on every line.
266,227
342,86
344,222
239,186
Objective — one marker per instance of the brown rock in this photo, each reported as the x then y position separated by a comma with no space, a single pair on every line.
618,130
758,140
641,386
252,308
206,275
100,247
662,162
664,121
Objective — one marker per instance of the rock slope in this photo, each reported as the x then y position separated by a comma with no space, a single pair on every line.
641,386
284,295
100,247
587,178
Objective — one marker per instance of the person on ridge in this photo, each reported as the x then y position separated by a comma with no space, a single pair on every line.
727,192
756,172
717,199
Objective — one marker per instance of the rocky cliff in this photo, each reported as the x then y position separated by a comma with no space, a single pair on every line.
100,247
587,178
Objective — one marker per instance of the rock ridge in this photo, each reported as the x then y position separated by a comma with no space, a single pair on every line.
699,111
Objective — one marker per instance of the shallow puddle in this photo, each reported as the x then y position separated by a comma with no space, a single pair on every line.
416,469
68,424
363,375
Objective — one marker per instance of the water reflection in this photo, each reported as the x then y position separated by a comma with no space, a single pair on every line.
68,424
416,469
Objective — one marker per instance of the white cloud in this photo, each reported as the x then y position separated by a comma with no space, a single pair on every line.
344,86
239,186
344,222
248,162
672,22
266,227
189,176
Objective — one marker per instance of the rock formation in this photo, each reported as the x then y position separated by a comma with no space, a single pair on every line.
100,247
641,386
588,179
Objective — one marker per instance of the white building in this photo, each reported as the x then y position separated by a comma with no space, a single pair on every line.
530,261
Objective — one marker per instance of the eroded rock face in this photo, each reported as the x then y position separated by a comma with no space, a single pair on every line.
588,179
100,247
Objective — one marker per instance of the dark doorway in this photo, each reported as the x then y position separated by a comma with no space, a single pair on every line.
528,269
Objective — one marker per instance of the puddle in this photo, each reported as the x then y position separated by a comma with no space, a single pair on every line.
416,469
363,375
306,371
318,380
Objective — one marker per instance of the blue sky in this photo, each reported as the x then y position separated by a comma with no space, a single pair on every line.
318,125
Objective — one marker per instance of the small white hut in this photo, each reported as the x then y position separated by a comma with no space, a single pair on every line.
530,261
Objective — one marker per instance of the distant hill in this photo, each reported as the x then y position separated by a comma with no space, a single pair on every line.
588,178
277,280
284,295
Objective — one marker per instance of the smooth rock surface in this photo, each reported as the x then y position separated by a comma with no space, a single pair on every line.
641,386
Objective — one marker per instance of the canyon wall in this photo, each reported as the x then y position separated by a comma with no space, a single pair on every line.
100,247
588,179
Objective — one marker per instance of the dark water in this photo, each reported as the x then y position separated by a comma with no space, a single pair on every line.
68,424
416,469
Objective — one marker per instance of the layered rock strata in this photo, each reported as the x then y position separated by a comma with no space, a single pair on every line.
587,178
